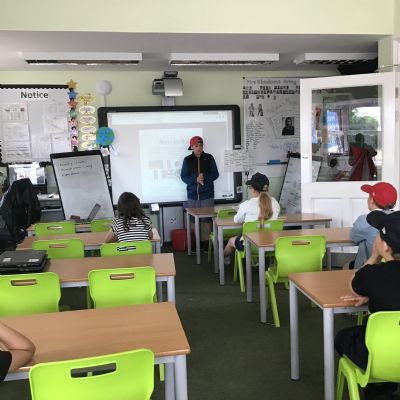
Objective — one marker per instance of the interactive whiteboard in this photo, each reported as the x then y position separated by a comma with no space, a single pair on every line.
151,142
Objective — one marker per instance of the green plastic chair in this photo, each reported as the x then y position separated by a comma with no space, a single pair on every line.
122,286
293,254
253,226
126,248
382,339
26,294
54,228
227,233
120,376
61,248
101,225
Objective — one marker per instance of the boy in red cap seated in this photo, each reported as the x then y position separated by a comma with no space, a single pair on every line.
383,197
199,171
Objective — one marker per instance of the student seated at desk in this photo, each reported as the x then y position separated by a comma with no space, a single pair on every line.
131,224
378,284
261,206
15,350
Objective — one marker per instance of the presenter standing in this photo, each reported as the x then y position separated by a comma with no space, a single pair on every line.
199,171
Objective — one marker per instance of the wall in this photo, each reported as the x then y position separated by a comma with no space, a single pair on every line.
210,16
134,88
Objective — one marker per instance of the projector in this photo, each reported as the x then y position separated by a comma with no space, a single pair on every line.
169,85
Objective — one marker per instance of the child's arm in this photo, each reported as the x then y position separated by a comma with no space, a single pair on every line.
20,347
111,237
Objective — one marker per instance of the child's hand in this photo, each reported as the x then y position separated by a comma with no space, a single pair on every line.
358,300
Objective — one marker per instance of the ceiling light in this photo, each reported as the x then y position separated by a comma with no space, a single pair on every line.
82,58
224,59
333,58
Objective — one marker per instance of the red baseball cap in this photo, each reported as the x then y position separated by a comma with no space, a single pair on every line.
195,140
383,193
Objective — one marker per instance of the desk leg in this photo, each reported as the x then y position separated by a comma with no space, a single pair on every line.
249,278
294,332
180,378
328,259
221,257
188,238
329,354
197,230
215,247
261,278
169,381
171,288
158,247
159,292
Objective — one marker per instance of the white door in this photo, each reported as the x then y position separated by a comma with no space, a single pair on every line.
347,126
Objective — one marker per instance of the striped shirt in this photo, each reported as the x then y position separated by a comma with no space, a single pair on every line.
139,229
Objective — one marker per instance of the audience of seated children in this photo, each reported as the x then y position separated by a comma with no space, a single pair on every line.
382,196
377,283
15,350
261,206
131,224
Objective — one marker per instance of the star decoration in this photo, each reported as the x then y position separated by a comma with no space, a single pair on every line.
71,84
72,103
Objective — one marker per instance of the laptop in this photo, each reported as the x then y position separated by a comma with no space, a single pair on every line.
22,261
91,216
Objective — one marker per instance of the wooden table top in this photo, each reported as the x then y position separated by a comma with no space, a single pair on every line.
89,238
325,287
77,269
332,235
87,333
301,218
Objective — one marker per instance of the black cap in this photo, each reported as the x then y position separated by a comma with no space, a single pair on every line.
258,182
388,226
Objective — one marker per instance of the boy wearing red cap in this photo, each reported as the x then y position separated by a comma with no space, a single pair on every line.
199,171
383,197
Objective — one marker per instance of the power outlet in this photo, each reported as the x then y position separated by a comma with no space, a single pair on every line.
173,221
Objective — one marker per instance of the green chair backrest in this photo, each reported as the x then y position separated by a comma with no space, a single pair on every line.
126,248
256,226
299,254
61,248
101,225
54,228
122,286
382,339
226,213
26,294
124,376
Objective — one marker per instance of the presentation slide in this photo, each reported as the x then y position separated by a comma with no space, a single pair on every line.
149,149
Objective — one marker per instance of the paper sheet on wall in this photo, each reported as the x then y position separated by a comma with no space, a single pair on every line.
14,112
236,160
272,119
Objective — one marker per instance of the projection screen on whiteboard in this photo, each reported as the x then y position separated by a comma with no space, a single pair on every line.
151,142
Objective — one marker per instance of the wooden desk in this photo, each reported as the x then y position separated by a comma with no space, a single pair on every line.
265,241
91,240
74,272
220,224
87,333
324,289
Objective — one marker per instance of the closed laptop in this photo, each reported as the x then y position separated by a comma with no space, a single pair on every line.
22,261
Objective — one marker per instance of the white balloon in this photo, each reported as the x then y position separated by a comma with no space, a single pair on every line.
104,87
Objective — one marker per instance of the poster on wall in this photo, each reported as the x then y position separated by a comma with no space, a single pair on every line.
271,119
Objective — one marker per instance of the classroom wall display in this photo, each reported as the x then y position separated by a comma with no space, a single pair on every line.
33,122
271,118
81,182
151,142
290,197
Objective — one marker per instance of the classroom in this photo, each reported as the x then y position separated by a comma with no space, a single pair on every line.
139,81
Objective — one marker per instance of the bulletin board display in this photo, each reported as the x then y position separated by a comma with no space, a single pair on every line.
33,122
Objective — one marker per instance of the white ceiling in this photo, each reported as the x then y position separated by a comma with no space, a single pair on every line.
156,48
